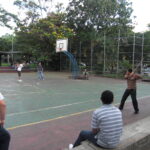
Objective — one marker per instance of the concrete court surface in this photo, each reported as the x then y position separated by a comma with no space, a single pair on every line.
57,134
49,114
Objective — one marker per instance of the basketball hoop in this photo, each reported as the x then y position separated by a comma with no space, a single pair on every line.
61,45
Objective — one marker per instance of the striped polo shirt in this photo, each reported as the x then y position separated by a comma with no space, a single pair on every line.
108,119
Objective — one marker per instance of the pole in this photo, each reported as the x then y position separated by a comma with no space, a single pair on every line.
133,51
104,53
80,53
142,53
12,49
118,51
91,55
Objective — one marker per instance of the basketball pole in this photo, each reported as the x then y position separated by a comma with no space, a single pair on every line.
62,46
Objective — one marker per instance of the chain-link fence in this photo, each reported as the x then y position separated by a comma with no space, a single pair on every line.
109,54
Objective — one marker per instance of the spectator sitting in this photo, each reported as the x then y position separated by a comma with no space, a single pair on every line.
106,125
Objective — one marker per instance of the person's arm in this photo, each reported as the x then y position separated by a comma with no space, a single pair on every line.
130,76
126,75
95,130
137,76
2,112
95,124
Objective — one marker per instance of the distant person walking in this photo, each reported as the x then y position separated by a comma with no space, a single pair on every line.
40,71
4,134
131,78
19,69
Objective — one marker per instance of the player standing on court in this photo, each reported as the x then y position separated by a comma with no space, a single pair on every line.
4,134
131,90
19,69
40,71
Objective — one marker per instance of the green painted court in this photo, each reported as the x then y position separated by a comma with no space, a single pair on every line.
33,101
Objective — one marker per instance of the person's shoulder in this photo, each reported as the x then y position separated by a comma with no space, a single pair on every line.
100,110
1,96
2,99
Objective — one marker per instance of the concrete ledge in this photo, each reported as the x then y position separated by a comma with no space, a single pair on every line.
135,136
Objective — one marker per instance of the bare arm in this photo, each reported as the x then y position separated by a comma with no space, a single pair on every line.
96,130
2,112
135,77
126,76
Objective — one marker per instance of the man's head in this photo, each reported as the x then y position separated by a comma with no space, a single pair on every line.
129,70
107,97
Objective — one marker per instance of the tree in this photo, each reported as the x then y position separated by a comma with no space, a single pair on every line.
32,10
98,15
6,17
38,39
92,18
6,43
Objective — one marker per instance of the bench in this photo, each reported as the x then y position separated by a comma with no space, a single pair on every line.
135,136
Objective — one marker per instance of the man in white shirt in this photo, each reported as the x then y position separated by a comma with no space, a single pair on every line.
4,134
19,69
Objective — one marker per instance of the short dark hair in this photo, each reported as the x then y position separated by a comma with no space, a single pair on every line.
107,97
130,70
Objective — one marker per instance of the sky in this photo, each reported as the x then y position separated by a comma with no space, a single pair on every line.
141,10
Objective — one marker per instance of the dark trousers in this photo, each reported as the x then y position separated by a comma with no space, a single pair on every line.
86,135
19,73
4,139
128,92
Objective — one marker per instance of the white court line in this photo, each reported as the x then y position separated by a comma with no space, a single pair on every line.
48,108
23,93
61,106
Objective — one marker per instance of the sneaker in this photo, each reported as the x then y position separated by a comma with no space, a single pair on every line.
70,146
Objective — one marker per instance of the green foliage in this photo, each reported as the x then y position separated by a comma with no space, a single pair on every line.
98,15
98,69
38,39
32,10
125,65
6,18
85,21
6,43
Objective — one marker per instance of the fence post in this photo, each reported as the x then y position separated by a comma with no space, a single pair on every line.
118,51
104,52
133,51
91,56
142,52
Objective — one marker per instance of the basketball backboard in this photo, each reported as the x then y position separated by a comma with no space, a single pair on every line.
61,45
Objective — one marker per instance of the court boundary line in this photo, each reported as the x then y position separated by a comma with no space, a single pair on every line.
65,116
48,120
48,108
